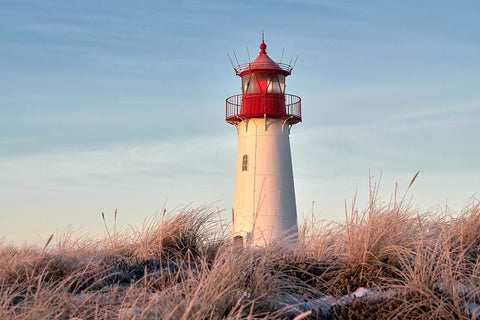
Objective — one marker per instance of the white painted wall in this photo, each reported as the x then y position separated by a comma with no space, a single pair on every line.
264,199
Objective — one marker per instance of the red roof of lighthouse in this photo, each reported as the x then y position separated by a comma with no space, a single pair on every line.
263,62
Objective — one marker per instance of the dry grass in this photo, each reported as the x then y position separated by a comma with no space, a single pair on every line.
181,265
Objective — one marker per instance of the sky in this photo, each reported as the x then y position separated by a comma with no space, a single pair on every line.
110,105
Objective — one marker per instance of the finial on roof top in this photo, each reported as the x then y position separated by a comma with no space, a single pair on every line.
263,46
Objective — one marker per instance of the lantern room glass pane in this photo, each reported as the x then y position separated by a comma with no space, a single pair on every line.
253,84
262,82
245,81
281,83
275,85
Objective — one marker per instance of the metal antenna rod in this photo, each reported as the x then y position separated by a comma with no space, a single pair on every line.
229,58
281,58
295,62
236,57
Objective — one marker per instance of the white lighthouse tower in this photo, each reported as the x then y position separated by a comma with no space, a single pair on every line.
264,208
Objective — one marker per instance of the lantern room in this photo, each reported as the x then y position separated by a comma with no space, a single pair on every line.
263,82
263,91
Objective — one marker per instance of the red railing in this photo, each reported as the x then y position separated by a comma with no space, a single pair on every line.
248,66
264,103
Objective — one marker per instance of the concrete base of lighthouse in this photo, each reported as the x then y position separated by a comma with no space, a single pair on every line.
264,207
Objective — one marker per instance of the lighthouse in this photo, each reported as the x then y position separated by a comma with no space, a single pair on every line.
264,207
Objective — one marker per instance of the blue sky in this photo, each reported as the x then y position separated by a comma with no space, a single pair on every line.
120,104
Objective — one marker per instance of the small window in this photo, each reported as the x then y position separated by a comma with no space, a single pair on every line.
245,163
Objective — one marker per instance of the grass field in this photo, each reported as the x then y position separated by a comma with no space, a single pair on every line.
388,261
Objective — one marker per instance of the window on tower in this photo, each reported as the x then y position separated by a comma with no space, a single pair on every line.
245,163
